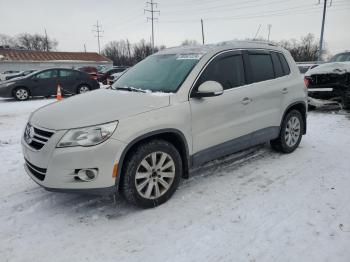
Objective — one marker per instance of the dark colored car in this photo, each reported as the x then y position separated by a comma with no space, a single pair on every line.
23,73
106,74
45,82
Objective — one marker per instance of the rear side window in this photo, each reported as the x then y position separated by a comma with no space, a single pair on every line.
227,70
67,73
277,65
262,67
285,65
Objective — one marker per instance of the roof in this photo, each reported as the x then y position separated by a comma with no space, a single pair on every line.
30,55
204,49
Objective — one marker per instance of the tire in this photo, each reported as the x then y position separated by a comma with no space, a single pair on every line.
291,132
21,93
141,178
83,89
346,99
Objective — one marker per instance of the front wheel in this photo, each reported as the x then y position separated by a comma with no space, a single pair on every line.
21,93
292,130
152,174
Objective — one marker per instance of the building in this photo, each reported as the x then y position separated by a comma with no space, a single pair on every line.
21,60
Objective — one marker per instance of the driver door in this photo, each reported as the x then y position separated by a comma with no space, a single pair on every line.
45,83
220,119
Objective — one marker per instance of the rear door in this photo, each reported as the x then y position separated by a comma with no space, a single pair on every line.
69,80
265,93
44,83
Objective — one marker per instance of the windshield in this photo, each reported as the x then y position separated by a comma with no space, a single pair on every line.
159,73
344,57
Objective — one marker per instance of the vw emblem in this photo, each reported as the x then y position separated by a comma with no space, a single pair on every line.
29,134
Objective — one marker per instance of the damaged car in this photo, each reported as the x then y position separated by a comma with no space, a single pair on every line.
330,81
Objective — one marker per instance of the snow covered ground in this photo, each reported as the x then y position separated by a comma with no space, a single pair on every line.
255,206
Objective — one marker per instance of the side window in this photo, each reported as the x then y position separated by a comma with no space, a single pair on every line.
66,73
277,66
47,74
285,65
228,71
262,67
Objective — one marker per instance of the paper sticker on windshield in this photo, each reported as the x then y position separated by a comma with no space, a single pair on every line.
189,57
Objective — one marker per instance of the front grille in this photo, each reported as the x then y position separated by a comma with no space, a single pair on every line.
38,172
36,137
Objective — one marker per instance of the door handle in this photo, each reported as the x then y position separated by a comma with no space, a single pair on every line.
246,101
284,90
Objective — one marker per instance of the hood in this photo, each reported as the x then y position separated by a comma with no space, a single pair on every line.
96,107
13,80
330,68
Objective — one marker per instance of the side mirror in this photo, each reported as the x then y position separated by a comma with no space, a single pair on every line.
208,89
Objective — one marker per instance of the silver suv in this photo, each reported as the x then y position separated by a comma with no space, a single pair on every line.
175,110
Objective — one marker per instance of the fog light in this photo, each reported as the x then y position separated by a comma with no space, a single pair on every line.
87,174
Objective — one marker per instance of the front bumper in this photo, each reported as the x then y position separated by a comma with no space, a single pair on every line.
55,169
6,91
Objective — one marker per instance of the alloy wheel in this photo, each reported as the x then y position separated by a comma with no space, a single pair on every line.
292,132
155,175
21,94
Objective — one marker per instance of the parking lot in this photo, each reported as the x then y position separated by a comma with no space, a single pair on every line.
257,205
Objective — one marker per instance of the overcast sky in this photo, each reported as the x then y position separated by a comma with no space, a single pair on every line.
71,21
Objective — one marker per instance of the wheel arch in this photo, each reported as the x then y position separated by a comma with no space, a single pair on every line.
173,136
302,108
82,84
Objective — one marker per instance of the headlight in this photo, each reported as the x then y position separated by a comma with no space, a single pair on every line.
88,136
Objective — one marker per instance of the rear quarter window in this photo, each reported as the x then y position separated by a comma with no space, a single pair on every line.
277,65
285,66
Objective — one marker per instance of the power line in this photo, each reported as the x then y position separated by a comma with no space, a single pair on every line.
98,30
280,12
152,11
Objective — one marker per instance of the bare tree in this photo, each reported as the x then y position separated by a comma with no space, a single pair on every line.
124,53
36,42
119,52
303,50
8,41
189,42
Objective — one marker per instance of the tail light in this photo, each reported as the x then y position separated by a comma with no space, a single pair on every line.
93,76
307,81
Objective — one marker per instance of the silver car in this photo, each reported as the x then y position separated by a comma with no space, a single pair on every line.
175,110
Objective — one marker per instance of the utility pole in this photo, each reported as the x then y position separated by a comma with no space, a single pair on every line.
152,5
319,57
269,31
257,32
46,41
98,30
84,47
202,31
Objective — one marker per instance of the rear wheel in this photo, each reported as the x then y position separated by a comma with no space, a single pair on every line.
152,174
290,134
21,93
83,89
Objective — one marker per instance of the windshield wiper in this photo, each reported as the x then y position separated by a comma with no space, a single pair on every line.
130,89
